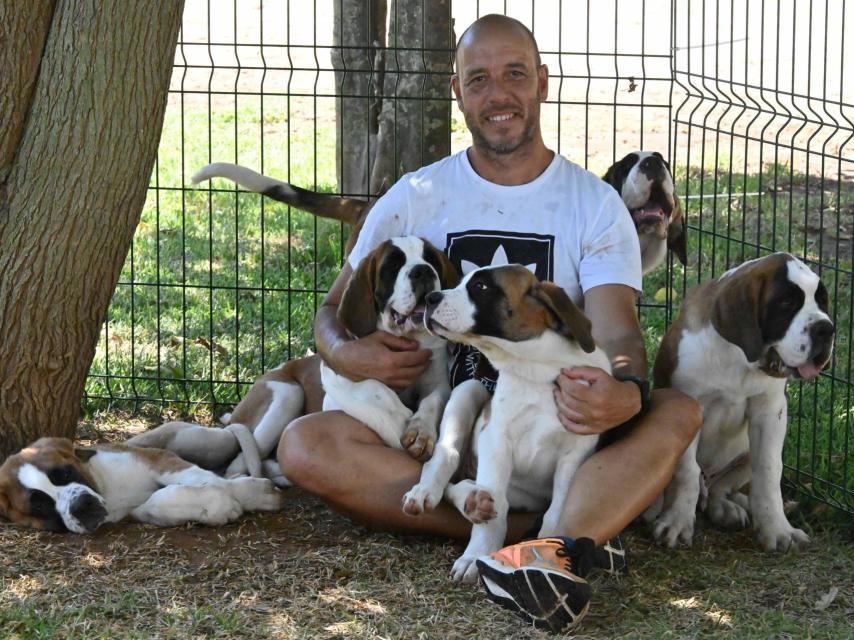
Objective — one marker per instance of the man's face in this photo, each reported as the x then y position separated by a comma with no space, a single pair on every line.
499,89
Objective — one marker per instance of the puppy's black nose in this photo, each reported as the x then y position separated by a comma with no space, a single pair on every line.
433,298
822,332
89,511
652,167
422,273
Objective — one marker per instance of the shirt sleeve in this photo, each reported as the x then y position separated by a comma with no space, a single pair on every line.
386,219
611,250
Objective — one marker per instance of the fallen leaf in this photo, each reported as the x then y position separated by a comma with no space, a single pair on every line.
824,601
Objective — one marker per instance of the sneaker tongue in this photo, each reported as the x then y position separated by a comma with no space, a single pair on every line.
808,371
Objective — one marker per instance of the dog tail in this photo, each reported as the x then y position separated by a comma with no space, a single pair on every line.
346,210
249,448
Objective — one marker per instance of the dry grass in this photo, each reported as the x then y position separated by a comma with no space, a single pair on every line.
310,573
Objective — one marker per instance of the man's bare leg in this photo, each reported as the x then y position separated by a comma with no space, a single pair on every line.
342,461
339,459
616,484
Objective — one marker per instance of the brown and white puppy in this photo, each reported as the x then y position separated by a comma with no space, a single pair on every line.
385,292
735,343
528,330
252,429
52,485
645,184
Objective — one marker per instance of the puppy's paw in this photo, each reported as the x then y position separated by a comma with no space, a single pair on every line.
464,570
421,498
479,506
418,440
727,513
221,511
781,537
673,528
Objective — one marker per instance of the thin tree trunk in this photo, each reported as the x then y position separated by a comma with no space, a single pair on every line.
359,37
74,192
414,127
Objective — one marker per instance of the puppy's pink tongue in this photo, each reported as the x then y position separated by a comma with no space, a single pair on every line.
808,371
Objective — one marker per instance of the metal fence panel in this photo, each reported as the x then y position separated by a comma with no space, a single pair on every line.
746,98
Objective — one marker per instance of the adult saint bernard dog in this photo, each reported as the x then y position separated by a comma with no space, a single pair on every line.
735,343
53,486
645,184
529,330
386,291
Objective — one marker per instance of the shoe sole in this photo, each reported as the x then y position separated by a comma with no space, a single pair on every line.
550,600
613,557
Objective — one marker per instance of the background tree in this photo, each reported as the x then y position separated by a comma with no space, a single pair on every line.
393,110
82,96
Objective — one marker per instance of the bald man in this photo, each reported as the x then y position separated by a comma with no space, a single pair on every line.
507,199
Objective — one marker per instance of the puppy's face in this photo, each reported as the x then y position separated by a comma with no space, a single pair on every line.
507,303
388,288
776,309
645,184
47,486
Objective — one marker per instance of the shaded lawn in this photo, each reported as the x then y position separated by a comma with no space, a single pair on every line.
310,573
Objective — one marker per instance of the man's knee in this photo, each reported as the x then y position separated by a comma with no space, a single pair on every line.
302,454
684,416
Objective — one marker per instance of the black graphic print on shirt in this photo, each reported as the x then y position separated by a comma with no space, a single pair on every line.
478,248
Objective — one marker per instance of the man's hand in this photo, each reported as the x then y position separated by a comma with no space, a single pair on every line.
392,360
589,400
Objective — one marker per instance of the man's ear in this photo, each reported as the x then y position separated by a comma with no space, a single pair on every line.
455,87
567,319
543,80
677,236
358,309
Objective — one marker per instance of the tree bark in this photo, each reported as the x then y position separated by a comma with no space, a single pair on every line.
75,172
415,121
359,38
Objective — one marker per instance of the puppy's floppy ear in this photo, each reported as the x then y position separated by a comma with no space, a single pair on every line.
567,319
84,455
358,310
617,172
677,236
448,276
735,314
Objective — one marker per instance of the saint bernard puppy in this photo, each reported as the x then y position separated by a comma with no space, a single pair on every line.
733,346
53,486
645,184
385,292
528,330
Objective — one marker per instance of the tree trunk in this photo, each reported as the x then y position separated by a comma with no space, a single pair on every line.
359,38
415,121
73,182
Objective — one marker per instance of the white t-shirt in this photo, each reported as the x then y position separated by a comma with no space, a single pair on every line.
567,225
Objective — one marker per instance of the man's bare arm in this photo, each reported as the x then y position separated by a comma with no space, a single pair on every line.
590,400
390,359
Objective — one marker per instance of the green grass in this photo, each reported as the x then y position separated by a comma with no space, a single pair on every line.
221,286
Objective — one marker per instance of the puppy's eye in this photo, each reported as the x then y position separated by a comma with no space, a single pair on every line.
61,475
41,505
481,286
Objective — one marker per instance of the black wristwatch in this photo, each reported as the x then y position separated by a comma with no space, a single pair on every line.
643,385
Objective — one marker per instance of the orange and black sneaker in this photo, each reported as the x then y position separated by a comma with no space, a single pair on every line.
542,580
